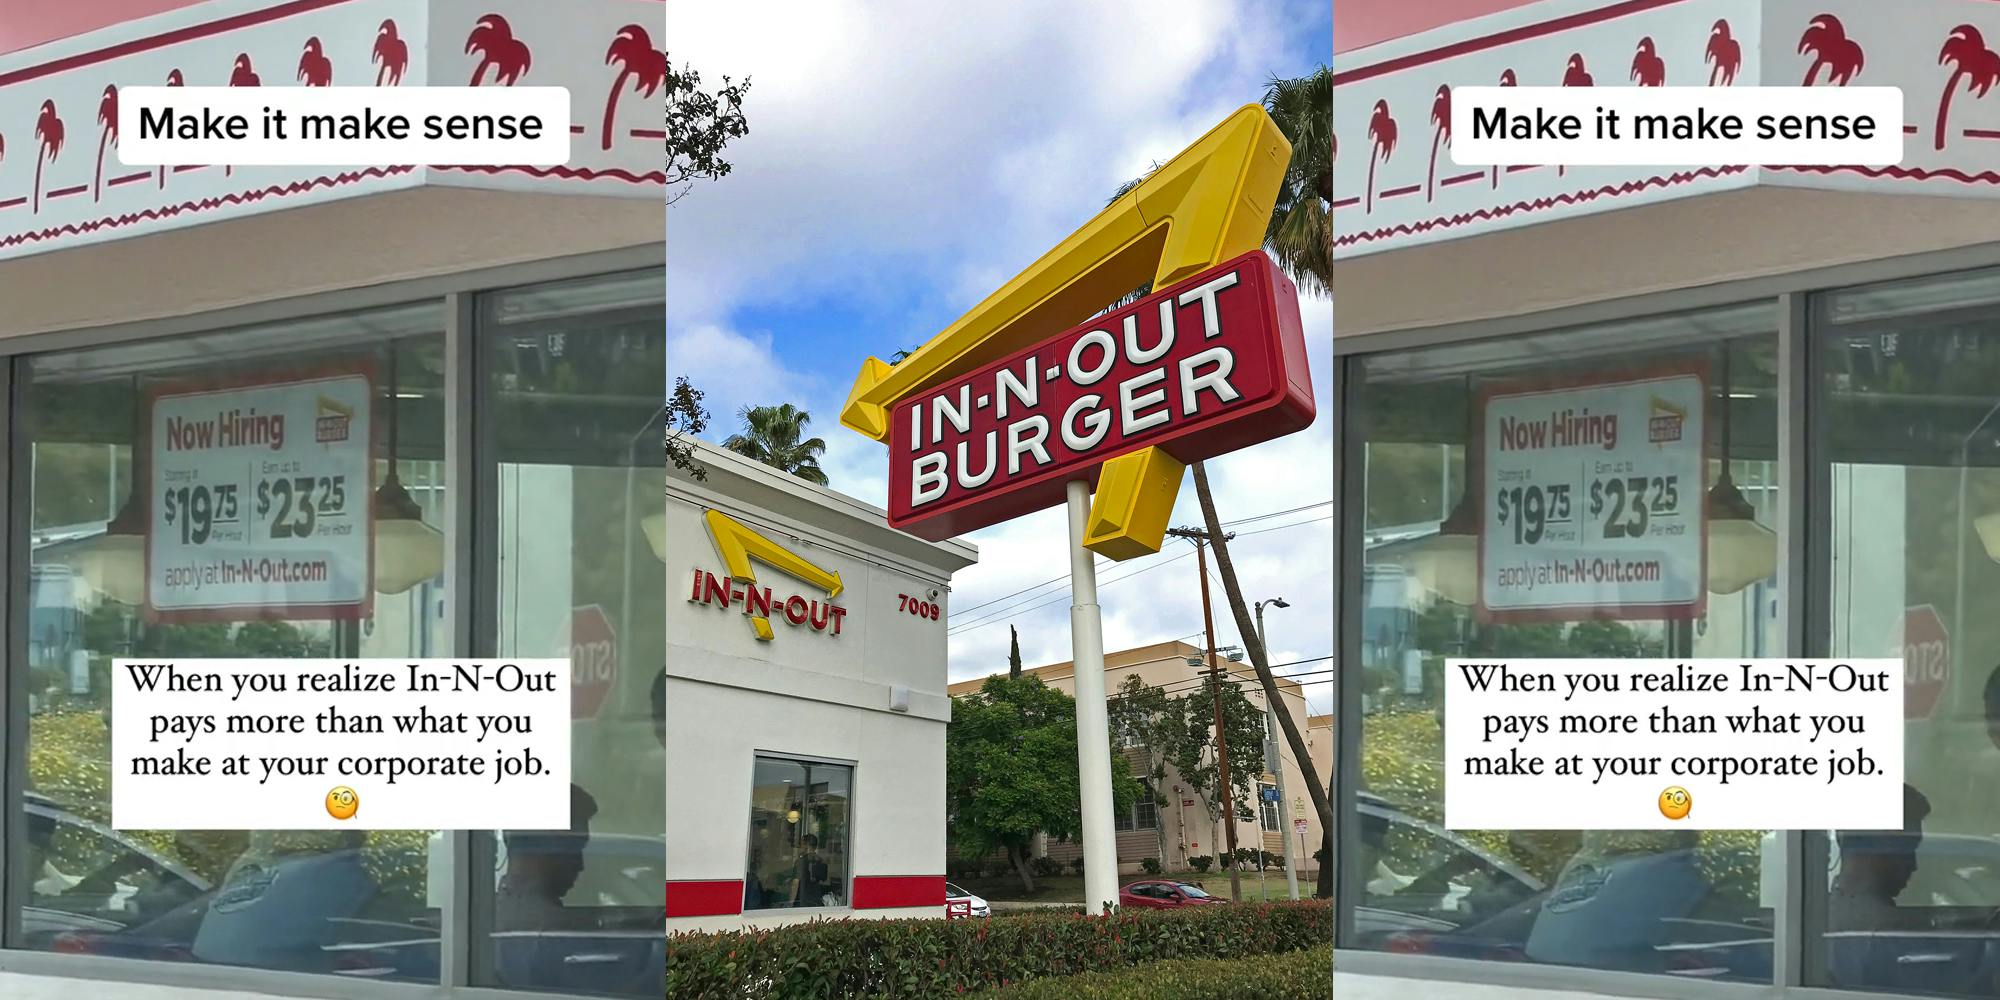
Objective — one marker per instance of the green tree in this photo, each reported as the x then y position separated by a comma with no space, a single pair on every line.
1300,234
1143,716
700,124
775,436
1011,770
1194,754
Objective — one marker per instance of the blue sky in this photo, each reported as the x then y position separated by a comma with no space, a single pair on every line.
907,157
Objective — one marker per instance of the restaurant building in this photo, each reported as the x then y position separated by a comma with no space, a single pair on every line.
1806,363
470,360
806,702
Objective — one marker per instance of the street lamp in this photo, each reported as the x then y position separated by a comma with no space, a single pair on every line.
1277,762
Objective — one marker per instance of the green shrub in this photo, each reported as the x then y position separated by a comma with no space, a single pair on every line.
1150,866
1299,975
1201,863
910,959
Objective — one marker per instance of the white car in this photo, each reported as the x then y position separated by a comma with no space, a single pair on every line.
954,894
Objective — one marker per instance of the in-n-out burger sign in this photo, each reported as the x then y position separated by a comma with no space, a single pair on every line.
741,546
1212,364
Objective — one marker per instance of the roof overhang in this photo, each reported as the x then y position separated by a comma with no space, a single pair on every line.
63,210
1405,219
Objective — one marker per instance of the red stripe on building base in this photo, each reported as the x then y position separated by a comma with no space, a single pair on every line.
882,892
717,898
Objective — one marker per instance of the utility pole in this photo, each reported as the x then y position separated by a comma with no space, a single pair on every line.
1200,539
1278,763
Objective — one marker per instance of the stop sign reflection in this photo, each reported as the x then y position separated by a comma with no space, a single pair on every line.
1926,661
593,660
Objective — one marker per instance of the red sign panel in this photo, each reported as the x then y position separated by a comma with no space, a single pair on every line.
1926,661
1212,364
593,660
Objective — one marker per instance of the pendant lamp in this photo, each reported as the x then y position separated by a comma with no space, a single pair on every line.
1740,551
407,551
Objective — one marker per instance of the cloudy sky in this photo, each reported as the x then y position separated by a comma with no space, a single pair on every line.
905,158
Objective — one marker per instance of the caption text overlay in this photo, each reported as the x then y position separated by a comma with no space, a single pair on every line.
344,126
1677,126
340,744
1673,744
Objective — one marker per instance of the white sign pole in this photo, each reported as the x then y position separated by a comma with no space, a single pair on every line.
1093,727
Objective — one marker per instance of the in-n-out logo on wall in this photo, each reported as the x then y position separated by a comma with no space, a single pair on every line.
738,588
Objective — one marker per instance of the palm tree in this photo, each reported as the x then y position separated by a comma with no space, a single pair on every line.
1507,79
1648,69
315,69
1826,38
1300,235
49,133
107,124
493,38
391,54
637,61
1970,61
1724,52
1440,132
174,79
1382,134
773,435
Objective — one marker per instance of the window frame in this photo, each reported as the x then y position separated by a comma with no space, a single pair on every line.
468,519
1804,589
853,791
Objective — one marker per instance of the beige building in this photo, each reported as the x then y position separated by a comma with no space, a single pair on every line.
1173,818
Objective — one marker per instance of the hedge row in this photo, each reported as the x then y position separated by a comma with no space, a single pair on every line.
1299,975
912,959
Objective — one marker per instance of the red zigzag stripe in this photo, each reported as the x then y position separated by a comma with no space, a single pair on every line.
1631,187
153,214
1488,214
300,187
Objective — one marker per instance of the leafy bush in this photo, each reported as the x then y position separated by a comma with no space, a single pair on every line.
1300,975
910,959
1048,867
1201,863
1150,866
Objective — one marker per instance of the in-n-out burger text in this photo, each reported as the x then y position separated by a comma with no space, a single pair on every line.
1202,353
759,602
1137,402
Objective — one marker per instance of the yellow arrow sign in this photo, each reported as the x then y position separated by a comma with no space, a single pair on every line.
1209,203
738,544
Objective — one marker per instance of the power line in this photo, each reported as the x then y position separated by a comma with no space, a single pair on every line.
1065,576
1038,602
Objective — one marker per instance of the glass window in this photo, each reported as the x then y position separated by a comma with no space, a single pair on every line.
1143,815
1267,805
349,902
573,388
1668,902
800,816
1911,378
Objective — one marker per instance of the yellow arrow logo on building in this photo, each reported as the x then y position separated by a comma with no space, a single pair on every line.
1209,203
739,544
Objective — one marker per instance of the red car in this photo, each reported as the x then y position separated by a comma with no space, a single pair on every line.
1163,894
